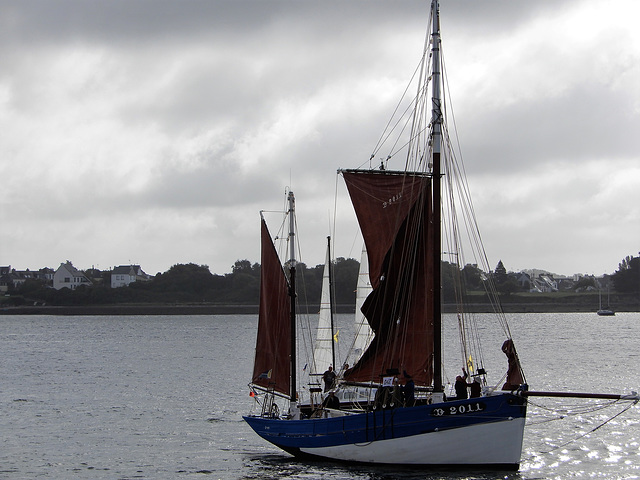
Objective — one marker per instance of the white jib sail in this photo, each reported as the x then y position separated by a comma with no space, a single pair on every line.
323,353
364,334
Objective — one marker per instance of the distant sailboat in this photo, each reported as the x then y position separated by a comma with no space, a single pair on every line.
606,311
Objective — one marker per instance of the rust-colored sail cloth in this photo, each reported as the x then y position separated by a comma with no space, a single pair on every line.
514,371
394,213
272,367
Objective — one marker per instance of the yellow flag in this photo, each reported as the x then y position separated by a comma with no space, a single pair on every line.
470,364
335,336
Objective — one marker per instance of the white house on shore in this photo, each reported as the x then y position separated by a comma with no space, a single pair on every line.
68,276
125,274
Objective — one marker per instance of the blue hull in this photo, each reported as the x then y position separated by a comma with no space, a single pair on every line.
317,437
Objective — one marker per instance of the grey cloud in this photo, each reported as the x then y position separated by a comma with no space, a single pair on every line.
169,118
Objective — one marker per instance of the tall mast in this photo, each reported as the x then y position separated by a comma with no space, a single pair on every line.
436,138
292,292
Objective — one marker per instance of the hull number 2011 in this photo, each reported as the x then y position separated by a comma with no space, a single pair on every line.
458,409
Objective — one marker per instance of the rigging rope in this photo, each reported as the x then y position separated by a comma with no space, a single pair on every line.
415,122
590,431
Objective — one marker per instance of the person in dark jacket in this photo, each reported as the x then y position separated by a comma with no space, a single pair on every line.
329,379
475,387
409,390
332,401
461,386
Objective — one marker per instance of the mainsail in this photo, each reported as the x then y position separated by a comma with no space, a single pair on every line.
272,368
394,213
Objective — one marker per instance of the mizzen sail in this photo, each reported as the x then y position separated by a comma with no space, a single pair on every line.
272,368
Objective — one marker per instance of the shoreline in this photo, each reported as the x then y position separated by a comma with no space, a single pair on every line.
229,309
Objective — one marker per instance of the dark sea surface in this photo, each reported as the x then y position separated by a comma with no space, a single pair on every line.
162,397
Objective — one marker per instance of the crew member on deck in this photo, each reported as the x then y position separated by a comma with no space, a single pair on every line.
476,388
409,390
329,378
461,386
332,401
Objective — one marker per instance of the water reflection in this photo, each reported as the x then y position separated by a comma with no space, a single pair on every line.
273,467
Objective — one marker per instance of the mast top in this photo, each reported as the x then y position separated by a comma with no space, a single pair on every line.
292,224
436,108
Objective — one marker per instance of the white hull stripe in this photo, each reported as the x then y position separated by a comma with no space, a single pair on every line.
460,446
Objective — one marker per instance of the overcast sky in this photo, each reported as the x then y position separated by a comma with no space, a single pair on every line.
153,132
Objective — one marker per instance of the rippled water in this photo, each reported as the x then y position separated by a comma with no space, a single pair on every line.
162,397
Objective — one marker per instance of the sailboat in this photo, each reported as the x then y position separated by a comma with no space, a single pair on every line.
412,416
606,311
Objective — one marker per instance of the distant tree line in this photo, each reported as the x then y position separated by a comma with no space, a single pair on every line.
627,277
191,283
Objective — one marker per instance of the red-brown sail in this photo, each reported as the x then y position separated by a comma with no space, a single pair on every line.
272,367
394,212
515,377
